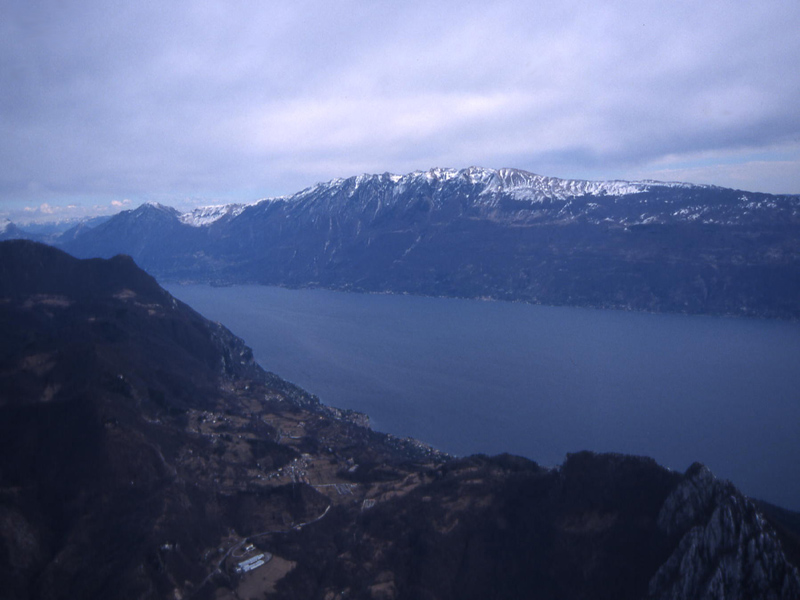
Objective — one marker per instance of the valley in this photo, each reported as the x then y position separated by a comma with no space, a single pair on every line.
399,300
142,450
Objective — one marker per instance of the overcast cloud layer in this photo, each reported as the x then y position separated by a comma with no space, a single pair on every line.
204,102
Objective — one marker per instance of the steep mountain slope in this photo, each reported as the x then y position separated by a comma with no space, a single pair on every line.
601,526
144,455
504,234
131,429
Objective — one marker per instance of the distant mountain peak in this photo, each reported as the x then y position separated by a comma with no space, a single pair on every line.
10,231
151,206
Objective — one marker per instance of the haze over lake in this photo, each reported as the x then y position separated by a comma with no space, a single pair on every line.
469,376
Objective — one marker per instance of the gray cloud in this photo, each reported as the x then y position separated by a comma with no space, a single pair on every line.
222,100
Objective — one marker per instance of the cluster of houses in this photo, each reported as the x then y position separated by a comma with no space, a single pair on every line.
251,564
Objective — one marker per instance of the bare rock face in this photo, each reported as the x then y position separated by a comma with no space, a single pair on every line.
725,550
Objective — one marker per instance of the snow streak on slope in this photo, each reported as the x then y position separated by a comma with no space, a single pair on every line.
206,215
521,185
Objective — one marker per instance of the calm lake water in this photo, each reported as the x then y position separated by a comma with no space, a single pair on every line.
469,376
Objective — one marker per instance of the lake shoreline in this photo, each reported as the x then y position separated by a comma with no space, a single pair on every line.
487,377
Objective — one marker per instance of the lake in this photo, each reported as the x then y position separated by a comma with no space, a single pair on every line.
469,376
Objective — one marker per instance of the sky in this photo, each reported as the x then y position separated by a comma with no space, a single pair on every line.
105,105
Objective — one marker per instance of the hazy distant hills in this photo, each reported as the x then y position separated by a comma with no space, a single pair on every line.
10,231
51,232
143,454
481,233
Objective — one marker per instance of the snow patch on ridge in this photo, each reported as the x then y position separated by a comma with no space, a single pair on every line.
489,184
522,185
206,215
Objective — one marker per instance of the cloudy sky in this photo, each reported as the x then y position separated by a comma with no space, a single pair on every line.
105,105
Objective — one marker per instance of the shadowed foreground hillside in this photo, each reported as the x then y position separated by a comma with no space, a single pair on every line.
143,454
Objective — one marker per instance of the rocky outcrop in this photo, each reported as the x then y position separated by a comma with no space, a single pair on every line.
725,549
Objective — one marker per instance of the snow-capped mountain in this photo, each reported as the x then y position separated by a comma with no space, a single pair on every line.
516,195
10,231
505,234
522,184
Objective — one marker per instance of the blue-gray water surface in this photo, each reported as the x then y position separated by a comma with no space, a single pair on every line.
468,376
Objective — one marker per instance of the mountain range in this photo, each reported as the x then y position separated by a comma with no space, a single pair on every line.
144,454
480,233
